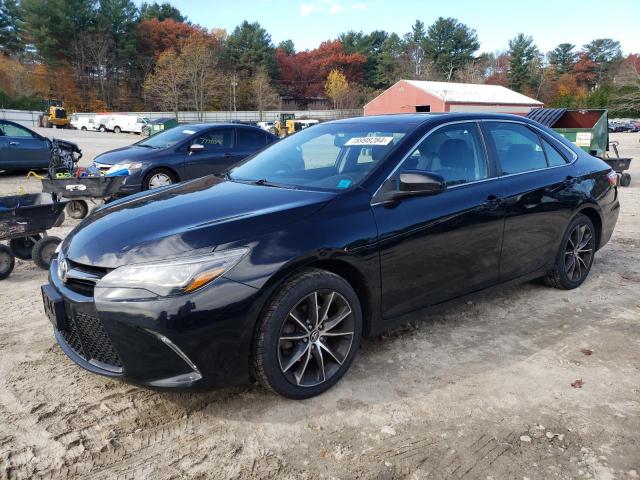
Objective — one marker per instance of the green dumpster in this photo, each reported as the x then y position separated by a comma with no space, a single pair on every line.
159,125
588,129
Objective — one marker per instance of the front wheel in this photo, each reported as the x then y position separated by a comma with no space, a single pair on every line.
160,177
575,257
117,129
308,335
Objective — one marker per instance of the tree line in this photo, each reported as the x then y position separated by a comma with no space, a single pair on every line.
112,55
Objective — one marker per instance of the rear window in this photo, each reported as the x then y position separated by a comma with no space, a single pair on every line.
519,149
251,139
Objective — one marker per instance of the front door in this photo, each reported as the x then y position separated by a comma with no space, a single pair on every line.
23,149
216,156
435,248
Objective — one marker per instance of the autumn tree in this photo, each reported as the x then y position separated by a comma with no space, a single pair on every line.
337,88
166,86
603,52
264,95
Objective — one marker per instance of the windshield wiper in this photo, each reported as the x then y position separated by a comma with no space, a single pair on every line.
145,145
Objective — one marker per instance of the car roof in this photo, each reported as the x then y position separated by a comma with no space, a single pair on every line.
202,126
423,118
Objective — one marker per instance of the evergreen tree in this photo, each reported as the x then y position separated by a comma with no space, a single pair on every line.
524,57
450,45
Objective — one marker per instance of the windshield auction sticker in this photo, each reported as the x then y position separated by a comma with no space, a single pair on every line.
368,141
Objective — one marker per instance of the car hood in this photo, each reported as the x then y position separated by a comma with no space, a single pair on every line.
125,154
191,217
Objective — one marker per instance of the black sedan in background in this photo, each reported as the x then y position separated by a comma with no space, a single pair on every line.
277,270
183,153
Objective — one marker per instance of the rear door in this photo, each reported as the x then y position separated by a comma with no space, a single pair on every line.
248,141
216,156
537,183
22,148
435,248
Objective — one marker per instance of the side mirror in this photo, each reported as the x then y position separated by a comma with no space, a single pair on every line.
412,183
196,147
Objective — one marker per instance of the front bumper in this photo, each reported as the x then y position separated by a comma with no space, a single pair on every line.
198,340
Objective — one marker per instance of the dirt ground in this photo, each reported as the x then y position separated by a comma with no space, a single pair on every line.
481,391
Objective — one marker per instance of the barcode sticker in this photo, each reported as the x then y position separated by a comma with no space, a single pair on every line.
369,141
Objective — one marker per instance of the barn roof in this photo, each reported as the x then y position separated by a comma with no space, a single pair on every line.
473,93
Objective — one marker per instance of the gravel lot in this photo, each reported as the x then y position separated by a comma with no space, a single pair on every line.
480,391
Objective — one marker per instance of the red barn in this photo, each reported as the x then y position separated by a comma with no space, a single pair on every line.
410,96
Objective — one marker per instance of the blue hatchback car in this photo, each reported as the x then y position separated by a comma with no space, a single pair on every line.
183,153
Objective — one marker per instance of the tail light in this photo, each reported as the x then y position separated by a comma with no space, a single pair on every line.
612,178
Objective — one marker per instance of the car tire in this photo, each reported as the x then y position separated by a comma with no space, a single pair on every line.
78,209
158,177
84,129
116,130
22,247
44,250
299,355
102,128
7,261
575,256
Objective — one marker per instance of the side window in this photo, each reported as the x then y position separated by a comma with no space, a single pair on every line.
518,147
250,139
10,130
215,139
455,152
554,157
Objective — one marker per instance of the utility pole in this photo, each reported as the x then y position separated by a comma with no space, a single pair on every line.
234,84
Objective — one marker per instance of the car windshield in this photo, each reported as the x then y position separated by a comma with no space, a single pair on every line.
333,156
168,138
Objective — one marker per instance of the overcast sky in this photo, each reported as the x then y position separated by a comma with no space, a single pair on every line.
550,22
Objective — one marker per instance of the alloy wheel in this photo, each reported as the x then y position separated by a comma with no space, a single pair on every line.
579,252
316,338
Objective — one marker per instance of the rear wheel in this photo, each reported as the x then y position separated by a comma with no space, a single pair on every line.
22,247
78,209
575,257
84,129
44,250
102,128
308,335
7,261
159,177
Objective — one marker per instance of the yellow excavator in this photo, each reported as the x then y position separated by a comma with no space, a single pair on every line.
54,115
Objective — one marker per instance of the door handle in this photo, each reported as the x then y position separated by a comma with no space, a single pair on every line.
13,144
492,202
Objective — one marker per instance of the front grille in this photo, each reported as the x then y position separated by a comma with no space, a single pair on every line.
82,278
86,336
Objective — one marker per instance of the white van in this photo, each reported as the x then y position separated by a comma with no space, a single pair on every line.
100,122
126,123
82,122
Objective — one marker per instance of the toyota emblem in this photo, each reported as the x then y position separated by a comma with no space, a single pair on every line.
63,269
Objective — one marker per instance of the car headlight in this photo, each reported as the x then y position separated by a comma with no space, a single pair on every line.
124,166
165,278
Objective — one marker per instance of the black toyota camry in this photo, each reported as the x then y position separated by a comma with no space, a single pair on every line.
277,269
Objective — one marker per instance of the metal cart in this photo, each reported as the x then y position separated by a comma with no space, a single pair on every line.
95,190
24,221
